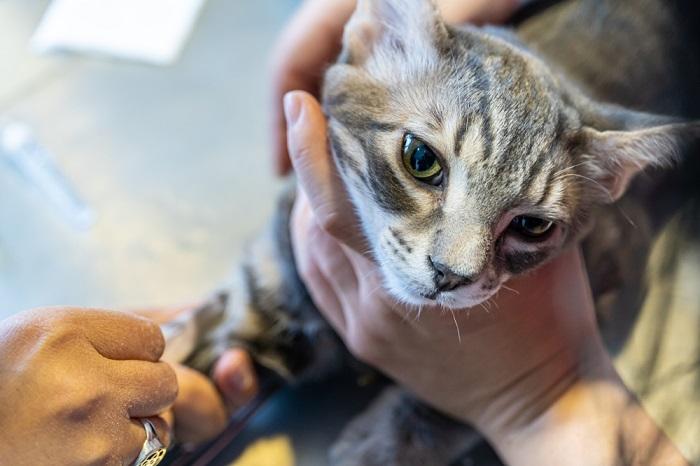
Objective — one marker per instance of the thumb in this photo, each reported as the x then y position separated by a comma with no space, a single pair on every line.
316,170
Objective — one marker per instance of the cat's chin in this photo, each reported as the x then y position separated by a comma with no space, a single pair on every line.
462,298
422,297
458,299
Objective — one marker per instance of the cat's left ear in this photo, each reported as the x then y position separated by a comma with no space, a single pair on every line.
613,158
395,26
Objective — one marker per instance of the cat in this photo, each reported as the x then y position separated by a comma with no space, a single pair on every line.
471,155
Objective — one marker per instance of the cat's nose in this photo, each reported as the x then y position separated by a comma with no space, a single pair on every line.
446,279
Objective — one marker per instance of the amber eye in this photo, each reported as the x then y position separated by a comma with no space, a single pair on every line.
531,227
421,162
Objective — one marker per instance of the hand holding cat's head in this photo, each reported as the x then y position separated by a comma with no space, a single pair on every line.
469,160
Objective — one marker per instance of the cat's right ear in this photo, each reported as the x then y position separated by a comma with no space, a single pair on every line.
395,26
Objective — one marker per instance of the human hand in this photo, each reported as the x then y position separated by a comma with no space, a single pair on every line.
75,384
203,405
312,40
529,370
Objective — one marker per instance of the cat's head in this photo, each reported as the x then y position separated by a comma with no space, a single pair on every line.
467,159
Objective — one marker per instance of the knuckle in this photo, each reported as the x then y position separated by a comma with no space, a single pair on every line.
361,344
101,451
300,150
330,221
79,410
306,269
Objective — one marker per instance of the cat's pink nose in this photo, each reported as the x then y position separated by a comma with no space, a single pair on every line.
446,279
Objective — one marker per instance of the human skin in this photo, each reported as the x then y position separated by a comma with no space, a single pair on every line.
200,410
529,371
74,383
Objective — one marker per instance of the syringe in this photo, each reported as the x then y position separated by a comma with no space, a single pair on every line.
21,148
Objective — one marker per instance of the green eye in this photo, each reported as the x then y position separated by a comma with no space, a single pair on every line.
421,162
531,227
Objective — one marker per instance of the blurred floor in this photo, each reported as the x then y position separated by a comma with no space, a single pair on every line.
175,161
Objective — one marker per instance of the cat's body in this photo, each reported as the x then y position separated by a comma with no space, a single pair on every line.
511,115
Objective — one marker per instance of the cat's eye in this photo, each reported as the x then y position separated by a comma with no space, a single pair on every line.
421,162
531,227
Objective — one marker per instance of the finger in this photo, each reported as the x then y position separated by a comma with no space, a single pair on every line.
316,171
137,436
146,388
321,292
310,41
121,335
162,315
199,411
334,265
234,374
282,162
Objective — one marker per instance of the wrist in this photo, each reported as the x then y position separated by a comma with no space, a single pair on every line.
594,421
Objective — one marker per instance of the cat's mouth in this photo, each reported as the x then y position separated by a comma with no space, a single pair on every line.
458,299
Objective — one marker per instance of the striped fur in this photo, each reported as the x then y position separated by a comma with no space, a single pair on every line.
517,134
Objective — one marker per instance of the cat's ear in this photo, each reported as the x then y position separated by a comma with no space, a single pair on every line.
612,158
408,26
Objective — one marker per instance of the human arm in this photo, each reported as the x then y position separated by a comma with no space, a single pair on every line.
205,402
531,372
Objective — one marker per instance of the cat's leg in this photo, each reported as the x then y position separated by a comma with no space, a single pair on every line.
398,430
269,312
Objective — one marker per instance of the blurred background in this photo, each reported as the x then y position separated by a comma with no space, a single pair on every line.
173,161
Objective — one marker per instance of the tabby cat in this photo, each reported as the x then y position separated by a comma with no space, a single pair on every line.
473,155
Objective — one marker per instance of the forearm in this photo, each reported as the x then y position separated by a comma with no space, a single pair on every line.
596,422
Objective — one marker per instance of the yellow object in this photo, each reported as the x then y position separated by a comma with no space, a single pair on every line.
273,451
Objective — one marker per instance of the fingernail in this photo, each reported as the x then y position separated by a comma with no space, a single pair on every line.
292,107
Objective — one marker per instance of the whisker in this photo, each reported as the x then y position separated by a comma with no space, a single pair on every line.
459,334
569,168
576,175
512,290
627,217
418,314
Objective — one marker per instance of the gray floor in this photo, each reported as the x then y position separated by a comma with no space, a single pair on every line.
174,160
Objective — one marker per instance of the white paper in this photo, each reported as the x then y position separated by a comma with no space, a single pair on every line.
153,31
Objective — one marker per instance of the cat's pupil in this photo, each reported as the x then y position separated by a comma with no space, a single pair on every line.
423,159
532,227
421,162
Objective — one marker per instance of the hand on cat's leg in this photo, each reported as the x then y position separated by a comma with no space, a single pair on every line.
312,40
531,374
201,411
